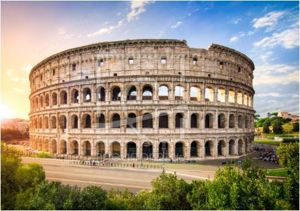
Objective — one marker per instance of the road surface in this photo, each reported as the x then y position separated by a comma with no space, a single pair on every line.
108,177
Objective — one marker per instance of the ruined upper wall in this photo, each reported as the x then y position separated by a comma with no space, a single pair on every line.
142,57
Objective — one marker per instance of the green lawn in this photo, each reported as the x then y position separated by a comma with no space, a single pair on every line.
281,172
267,141
272,135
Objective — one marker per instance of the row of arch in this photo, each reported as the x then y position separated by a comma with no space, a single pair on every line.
146,93
146,120
147,149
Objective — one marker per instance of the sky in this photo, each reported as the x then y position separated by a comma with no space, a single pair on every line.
267,32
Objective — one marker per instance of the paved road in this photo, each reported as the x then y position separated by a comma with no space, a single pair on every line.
107,177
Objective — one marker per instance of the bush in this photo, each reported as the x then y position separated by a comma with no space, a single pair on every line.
296,126
44,155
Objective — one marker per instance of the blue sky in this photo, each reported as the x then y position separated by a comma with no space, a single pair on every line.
268,32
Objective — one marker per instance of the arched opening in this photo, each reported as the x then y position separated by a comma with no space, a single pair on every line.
179,120
116,121
41,122
147,150
194,121
62,122
63,147
231,147
208,148
53,146
209,120
46,122
116,149
100,121
246,122
87,122
101,94
87,95
74,121
87,148
221,121
221,148
240,146
54,98
163,92
194,149
131,121
239,97
209,94
147,92
231,121
195,94
163,120
100,149
179,91
163,150
131,150
240,121
147,121
131,95
221,95
41,101
74,148
179,149
231,96
75,96
116,94
63,97
53,122
47,99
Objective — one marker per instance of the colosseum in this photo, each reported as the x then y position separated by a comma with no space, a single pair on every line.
143,99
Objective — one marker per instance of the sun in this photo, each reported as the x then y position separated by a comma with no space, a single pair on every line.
5,112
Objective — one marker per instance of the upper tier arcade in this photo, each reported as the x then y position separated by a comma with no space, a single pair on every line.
149,57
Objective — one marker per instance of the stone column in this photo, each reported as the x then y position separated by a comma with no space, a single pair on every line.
155,147
138,150
171,150
93,148
187,150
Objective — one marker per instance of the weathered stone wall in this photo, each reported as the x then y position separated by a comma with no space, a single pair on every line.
215,125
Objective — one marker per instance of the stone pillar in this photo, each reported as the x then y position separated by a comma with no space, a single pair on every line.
171,150
123,150
93,148
155,147
215,119
187,150
107,148
138,150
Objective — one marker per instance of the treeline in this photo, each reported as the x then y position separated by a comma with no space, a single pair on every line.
278,124
8,134
245,187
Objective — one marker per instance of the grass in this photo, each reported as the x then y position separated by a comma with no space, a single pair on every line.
272,135
280,172
267,141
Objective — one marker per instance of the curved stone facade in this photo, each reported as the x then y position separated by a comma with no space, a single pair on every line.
143,99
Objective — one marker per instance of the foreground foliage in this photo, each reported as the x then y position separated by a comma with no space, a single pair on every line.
245,187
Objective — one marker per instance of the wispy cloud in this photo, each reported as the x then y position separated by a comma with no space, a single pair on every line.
269,94
268,79
237,37
236,20
288,38
136,8
268,20
176,25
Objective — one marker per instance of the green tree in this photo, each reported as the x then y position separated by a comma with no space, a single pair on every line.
93,198
289,157
169,193
277,126
287,127
296,126
266,126
198,196
10,162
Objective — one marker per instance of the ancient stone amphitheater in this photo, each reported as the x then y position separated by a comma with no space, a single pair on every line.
151,99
